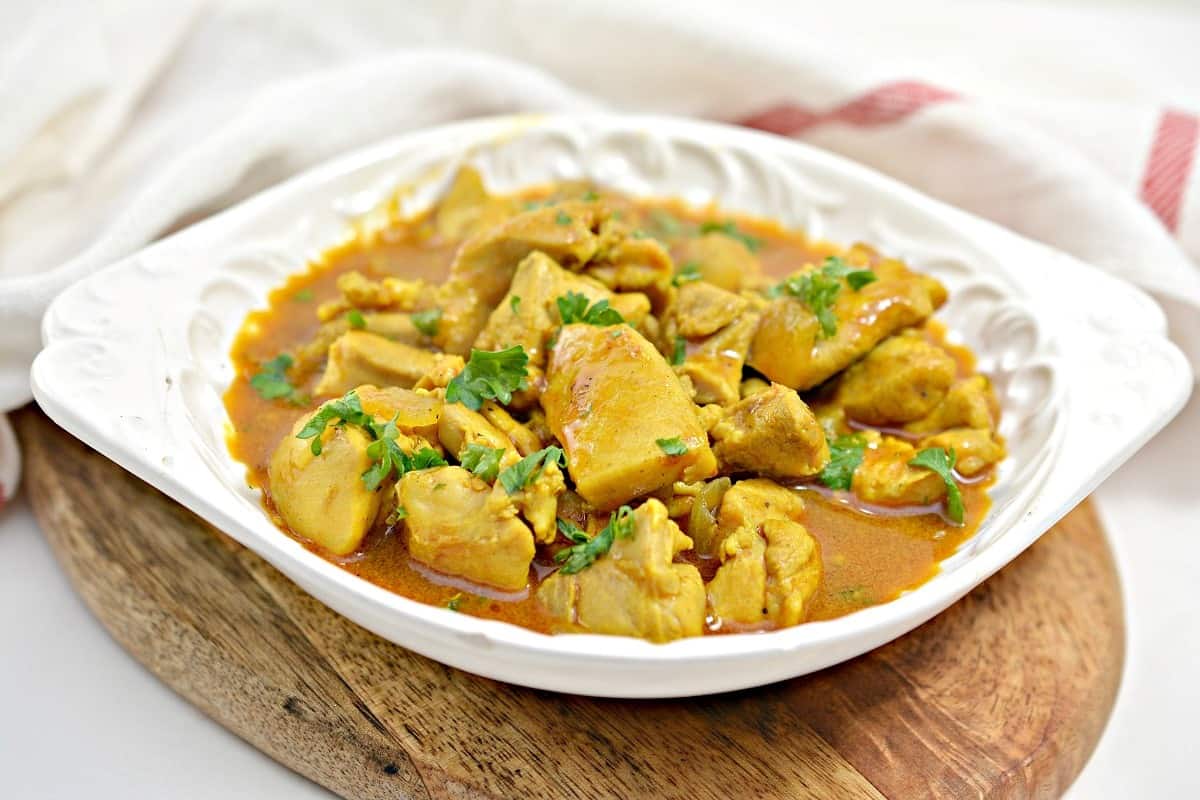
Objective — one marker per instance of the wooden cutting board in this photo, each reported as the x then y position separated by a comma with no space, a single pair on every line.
1003,695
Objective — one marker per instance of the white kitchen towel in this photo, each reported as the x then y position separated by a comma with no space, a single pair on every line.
125,118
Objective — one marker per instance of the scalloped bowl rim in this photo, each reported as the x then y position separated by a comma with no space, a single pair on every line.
467,641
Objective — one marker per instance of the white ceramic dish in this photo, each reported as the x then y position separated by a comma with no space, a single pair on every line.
136,360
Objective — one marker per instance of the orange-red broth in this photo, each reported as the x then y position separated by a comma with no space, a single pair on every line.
870,555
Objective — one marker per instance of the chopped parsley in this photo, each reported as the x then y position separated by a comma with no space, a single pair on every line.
303,296
665,223
356,319
384,451
730,229
854,595
482,461
819,289
454,602
573,307
427,321
590,196
583,551
529,468
845,454
562,218
672,447
857,277
271,381
347,409
514,303
390,459
489,375
687,273
679,354
398,513
938,460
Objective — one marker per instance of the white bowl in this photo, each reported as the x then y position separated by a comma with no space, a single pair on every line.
137,357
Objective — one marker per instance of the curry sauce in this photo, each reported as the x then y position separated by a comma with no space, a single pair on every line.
870,552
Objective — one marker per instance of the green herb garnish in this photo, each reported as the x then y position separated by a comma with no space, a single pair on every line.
427,321
672,447
489,375
938,460
385,451
687,273
845,454
819,289
529,468
303,296
514,303
730,229
271,381
356,319
590,196
584,551
482,461
398,513
573,307
347,409
665,222
390,459
562,218
854,595
387,455
836,267
679,354
454,602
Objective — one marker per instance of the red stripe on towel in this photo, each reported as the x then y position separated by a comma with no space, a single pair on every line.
1169,164
884,105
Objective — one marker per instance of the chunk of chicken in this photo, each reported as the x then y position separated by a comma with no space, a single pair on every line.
415,412
772,433
885,478
720,260
702,309
901,380
358,357
767,574
525,440
609,398
790,348
975,449
390,294
484,265
749,503
322,498
460,427
714,365
458,525
970,403
626,263
538,502
467,207
564,232
529,315
636,589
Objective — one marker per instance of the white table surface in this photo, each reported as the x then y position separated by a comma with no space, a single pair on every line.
79,717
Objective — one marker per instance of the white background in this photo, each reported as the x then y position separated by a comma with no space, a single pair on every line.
78,716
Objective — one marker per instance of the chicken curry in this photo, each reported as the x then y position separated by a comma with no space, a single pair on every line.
577,411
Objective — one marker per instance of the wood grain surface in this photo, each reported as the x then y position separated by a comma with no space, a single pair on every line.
1002,696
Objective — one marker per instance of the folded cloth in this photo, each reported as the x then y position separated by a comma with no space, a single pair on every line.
125,119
